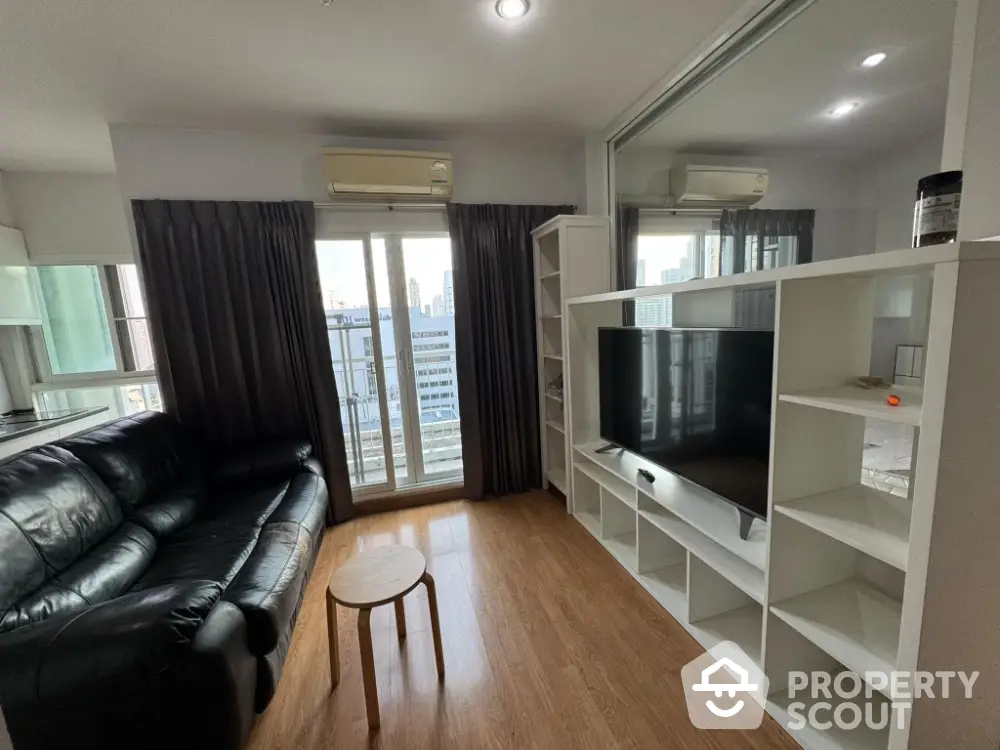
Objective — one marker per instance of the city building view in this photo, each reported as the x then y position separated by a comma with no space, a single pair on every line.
430,395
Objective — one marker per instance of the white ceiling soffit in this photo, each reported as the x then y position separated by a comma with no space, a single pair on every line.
413,68
778,98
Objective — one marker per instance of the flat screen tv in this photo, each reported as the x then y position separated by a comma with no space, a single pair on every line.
696,402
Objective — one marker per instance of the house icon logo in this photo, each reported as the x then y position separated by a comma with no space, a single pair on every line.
725,689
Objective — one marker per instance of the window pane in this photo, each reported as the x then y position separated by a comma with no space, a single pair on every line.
348,320
663,259
128,279
431,296
74,321
134,336
122,401
393,385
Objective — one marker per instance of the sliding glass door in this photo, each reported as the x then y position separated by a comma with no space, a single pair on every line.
389,303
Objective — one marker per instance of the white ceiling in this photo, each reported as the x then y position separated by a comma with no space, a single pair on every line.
777,99
414,68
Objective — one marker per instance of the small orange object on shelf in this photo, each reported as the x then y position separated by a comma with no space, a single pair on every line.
893,400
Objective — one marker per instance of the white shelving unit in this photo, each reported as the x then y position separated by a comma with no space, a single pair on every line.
572,257
841,576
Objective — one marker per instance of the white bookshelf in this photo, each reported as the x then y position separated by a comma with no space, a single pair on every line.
841,576
572,256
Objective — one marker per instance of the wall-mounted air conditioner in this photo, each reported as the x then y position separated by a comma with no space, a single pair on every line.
697,186
401,175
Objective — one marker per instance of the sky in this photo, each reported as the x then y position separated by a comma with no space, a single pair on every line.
663,253
342,269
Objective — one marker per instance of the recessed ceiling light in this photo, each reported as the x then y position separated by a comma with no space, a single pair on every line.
872,60
842,110
510,9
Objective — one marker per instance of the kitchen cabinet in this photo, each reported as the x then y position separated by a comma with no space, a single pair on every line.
18,303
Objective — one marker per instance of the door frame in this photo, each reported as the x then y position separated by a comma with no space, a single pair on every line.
418,480
425,480
389,485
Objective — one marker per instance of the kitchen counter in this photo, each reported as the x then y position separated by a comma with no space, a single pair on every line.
16,425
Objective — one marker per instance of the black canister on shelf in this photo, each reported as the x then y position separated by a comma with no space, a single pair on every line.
935,215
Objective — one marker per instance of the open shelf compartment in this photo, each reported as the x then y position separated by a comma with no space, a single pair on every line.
787,652
874,522
611,482
618,529
718,611
548,254
710,515
844,602
552,343
587,503
733,568
662,568
870,403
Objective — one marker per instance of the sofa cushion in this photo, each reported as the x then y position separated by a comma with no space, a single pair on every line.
138,457
268,588
104,573
170,511
242,506
304,503
210,553
53,510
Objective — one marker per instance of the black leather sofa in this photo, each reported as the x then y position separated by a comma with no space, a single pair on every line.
148,589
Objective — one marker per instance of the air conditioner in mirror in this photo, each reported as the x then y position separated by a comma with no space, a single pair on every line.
394,175
700,186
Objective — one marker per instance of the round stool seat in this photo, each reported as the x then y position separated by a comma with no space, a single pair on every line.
377,576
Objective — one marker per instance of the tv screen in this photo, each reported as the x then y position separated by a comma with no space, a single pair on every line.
696,402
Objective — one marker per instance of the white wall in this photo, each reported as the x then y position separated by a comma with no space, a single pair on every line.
66,216
981,157
827,186
6,209
8,219
227,165
888,184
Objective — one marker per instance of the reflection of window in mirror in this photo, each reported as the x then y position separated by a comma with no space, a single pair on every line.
771,137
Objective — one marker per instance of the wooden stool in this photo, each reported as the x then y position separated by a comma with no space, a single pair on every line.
372,578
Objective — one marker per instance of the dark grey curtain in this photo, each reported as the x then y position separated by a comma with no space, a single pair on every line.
627,245
743,228
238,328
627,255
495,337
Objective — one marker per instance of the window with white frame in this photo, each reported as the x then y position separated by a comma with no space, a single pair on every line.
93,323
672,249
93,347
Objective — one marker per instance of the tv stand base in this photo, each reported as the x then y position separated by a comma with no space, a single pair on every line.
746,521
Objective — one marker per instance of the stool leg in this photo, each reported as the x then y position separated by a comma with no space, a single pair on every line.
368,667
331,629
400,619
435,622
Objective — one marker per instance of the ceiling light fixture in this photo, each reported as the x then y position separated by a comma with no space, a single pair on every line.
842,110
872,60
511,9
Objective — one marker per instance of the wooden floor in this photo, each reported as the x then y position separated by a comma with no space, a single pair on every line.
548,643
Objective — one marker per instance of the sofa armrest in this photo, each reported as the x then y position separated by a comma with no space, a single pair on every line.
145,668
265,461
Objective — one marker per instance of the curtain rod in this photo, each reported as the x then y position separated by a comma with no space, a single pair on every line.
663,209
385,204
